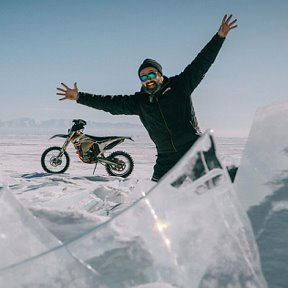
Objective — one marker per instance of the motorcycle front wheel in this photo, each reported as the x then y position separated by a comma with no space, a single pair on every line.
123,166
53,162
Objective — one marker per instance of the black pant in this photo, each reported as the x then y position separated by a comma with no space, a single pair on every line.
165,161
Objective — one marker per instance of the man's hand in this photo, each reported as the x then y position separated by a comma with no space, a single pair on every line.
226,26
68,93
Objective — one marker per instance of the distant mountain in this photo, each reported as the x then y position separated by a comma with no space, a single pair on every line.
60,125
18,123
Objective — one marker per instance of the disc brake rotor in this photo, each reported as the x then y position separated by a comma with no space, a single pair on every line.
120,165
55,161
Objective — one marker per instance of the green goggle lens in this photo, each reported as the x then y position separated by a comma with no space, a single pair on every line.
151,75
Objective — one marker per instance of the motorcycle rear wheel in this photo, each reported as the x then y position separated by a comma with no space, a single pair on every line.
124,164
52,163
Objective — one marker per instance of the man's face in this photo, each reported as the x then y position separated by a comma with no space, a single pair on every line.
153,79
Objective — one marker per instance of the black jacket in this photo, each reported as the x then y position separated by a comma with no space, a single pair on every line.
170,118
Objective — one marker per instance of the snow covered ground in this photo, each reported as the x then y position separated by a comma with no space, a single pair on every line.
67,210
21,168
82,230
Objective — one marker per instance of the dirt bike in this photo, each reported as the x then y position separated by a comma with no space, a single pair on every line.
90,149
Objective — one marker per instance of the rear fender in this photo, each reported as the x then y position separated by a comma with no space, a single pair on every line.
116,141
129,138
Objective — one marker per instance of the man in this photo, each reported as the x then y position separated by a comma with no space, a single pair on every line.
164,104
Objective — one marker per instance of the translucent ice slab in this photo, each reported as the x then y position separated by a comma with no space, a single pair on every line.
187,231
262,187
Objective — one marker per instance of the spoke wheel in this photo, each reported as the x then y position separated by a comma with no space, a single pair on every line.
52,162
123,166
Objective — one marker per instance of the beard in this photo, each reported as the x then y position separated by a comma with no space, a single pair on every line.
153,89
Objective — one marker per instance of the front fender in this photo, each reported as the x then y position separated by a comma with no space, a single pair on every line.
59,135
129,138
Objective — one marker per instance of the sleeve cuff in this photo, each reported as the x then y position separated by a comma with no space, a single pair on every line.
221,39
80,94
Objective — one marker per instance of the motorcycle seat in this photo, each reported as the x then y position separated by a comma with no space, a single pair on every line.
106,138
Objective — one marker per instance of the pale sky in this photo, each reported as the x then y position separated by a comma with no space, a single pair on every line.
100,44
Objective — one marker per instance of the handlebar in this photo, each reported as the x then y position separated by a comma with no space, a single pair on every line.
78,124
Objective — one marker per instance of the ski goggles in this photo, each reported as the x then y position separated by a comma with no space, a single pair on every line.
150,75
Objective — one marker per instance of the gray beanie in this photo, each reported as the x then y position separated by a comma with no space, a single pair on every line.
150,63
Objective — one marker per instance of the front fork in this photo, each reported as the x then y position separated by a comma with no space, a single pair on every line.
65,145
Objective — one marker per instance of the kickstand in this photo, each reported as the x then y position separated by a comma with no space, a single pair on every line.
95,167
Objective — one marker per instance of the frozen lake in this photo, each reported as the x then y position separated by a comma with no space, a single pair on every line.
67,207
74,205
21,169
20,154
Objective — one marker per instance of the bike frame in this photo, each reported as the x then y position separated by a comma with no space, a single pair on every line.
90,149
102,144
70,137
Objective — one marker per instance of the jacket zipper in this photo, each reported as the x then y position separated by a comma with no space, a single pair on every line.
166,124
